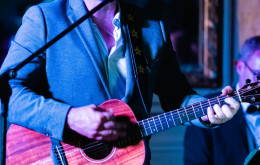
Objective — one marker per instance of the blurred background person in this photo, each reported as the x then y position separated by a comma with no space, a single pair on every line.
230,143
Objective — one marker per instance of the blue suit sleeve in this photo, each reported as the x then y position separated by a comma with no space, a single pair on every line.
30,105
171,85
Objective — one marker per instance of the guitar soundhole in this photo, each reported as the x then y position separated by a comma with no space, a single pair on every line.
95,150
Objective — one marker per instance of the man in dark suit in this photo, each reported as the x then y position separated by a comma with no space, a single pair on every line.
231,142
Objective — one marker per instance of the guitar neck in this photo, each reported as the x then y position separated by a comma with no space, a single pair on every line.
176,117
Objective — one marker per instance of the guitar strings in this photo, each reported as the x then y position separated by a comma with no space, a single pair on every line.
193,106
100,148
167,115
101,143
162,122
146,125
91,151
184,109
189,112
187,109
220,98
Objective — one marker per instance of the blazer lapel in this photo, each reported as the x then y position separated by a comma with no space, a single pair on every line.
130,79
75,10
130,76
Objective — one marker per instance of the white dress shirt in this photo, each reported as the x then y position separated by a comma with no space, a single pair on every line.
114,61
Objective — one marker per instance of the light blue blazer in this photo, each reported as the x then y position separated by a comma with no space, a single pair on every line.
71,72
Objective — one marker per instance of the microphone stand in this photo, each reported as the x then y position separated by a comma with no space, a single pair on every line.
5,90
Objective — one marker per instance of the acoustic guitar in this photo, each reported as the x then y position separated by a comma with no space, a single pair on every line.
25,146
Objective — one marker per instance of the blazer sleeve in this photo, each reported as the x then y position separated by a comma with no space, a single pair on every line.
29,105
172,86
198,146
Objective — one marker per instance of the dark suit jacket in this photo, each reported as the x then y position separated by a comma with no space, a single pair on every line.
225,145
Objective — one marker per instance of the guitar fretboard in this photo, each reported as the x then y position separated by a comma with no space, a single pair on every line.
176,117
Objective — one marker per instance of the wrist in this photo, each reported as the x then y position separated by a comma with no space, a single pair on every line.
69,119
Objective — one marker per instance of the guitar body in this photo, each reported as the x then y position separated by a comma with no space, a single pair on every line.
25,146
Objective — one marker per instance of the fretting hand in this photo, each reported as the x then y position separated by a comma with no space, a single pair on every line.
220,114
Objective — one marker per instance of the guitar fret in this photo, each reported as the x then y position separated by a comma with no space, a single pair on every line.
179,115
194,111
183,115
199,110
160,122
149,125
190,113
155,124
176,117
173,118
202,109
152,125
209,104
186,114
144,128
218,101
169,119
166,121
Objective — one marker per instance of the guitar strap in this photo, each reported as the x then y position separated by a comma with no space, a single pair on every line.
136,40
57,152
139,60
